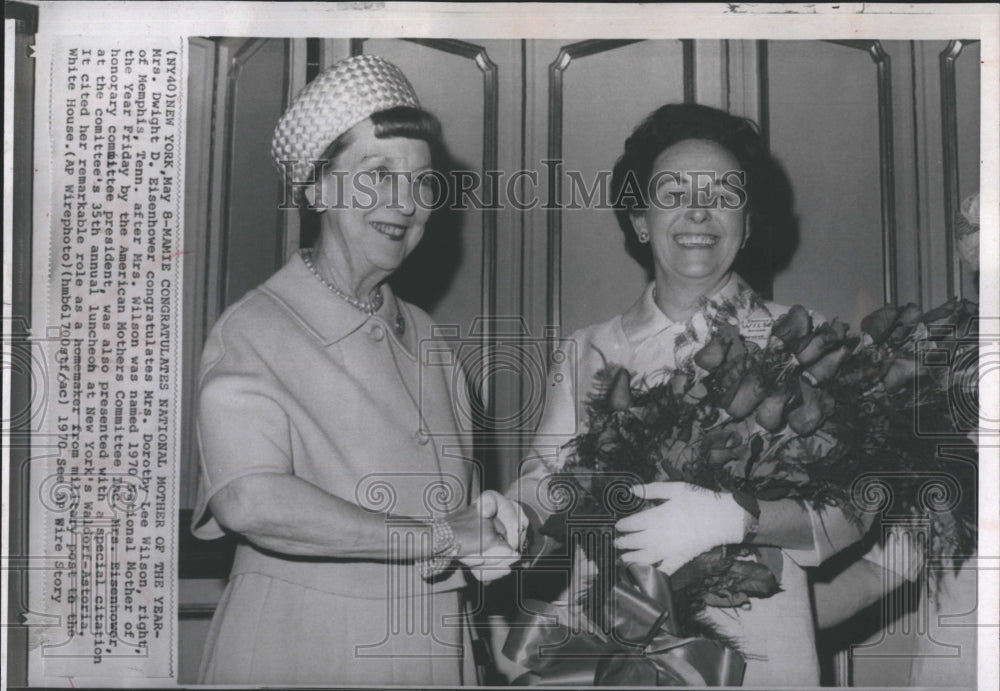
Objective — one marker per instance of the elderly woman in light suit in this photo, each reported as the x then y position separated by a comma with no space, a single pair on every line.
354,526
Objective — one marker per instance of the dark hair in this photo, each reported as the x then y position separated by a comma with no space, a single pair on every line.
662,129
401,121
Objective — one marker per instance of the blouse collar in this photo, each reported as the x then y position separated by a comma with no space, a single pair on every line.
328,317
645,319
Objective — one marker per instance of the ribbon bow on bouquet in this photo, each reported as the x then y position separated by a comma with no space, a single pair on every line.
638,645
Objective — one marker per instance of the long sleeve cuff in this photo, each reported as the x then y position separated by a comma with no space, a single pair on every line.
832,532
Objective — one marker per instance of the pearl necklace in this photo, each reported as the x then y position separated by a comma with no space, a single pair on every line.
369,308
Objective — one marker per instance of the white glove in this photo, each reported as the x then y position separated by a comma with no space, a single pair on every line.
691,520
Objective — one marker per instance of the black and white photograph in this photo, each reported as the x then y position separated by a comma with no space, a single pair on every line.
364,344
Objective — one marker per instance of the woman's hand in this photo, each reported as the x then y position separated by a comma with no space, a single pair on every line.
488,534
691,520
508,518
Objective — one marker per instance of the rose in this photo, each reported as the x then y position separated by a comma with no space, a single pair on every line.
900,371
712,355
956,313
880,323
726,380
683,386
609,437
816,405
906,321
731,334
771,412
942,314
910,314
749,392
824,338
827,366
725,345
792,327
723,446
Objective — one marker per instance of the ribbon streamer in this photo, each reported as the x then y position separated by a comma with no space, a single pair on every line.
640,647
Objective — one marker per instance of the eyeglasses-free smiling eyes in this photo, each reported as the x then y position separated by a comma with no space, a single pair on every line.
698,190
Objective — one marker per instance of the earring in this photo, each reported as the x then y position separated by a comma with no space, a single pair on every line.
643,237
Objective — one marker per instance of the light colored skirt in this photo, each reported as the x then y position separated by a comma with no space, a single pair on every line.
777,634
269,631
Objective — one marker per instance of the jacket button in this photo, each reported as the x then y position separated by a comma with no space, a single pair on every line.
422,437
377,333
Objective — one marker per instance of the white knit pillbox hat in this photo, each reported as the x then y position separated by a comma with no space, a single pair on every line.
335,101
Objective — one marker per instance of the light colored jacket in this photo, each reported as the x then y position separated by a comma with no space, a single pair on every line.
294,380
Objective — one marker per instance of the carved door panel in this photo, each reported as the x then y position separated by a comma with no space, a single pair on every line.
235,234
824,128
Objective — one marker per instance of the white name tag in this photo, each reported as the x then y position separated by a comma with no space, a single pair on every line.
757,329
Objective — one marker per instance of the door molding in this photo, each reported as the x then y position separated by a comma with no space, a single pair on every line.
553,243
949,143
887,174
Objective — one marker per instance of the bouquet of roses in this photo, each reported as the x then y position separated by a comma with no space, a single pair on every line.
817,415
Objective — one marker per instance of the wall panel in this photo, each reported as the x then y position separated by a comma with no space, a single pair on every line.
824,130
604,96
253,238
967,87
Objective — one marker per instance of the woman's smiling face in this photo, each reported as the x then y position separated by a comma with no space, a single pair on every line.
695,236
372,208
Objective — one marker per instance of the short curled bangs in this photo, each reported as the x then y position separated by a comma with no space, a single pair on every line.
401,121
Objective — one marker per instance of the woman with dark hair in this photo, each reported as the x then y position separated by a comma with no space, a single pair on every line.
316,426
690,187
634,178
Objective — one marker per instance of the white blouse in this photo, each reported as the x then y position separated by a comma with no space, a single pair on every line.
777,633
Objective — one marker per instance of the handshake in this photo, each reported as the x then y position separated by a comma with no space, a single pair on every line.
489,535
